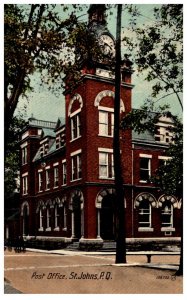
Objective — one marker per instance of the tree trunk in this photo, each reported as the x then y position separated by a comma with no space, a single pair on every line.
120,211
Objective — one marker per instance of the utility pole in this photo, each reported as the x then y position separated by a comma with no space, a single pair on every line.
120,211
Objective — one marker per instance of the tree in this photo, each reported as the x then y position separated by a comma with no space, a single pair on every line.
33,41
157,49
12,158
169,177
47,39
159,53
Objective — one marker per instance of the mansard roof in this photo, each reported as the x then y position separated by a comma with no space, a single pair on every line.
60,122
46,132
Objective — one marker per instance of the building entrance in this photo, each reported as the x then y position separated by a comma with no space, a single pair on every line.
77,216
107,218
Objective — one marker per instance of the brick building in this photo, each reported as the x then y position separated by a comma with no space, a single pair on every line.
67,175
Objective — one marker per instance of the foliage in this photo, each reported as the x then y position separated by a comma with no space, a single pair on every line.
169,176
11,163
47,39
33,41
157,48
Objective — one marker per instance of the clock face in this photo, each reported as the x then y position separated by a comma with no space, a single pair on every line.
107,43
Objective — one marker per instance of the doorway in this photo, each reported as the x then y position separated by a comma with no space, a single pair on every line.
107,218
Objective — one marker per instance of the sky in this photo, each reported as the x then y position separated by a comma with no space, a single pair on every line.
44,105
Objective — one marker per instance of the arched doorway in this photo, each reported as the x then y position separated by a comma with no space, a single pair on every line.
77,217
107,217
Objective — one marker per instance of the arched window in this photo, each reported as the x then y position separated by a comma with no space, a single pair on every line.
144,202
74,111
167,214
41,219
144,214
57,215
105,103
48,215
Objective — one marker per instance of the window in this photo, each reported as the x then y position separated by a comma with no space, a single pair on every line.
24,155
106,123
42,150
46,147
163,160
55,176
40,182
56,216
144,214
64,173
40,219
48,218
60,139
106,165
163,134
25,185
47,176
65,216
145,168
167,214
75,126
76,167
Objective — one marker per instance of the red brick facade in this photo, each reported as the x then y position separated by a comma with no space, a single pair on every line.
67,191
78,208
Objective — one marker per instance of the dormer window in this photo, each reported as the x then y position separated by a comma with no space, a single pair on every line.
60,138
163,132
44,148
42,151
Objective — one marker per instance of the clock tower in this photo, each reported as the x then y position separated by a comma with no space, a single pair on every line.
98,25
89,138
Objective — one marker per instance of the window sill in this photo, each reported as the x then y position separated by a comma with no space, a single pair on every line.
64,229
48,229
107,136
107,178
144,181
41,229
47,190
55,187
145,229
40,191
167,229
57,228
75,139
76,179
64,184
25,194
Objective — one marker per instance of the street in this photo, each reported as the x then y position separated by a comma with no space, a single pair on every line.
44,273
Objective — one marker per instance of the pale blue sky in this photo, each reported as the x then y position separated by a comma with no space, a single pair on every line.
46,106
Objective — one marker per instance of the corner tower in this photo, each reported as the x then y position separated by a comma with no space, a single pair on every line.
89,137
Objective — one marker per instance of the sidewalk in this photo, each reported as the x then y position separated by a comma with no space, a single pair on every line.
77,272
163,266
